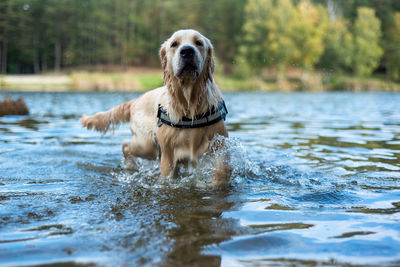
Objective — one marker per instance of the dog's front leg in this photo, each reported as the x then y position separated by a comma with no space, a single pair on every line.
222,168
166,164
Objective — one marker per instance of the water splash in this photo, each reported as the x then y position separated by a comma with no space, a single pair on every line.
148,173
246,172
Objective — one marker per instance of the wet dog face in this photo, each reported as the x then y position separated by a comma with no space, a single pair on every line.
185,55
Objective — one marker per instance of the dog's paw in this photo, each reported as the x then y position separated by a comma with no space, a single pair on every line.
91,122
129,162
85,122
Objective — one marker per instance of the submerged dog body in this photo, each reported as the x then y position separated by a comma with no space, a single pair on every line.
189,90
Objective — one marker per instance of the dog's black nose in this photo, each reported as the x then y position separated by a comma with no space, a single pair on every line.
187,51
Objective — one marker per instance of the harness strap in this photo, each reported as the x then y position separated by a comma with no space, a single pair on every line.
210,117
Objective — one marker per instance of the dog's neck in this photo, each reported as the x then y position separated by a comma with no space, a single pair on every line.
190,98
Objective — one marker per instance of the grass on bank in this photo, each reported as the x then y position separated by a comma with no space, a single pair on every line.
352,83
142,79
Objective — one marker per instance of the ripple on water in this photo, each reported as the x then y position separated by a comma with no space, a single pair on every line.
315,182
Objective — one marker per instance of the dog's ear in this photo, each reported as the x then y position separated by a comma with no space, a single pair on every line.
163,58
163,55
210,63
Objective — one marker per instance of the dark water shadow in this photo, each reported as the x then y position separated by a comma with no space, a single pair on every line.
179,221
198,220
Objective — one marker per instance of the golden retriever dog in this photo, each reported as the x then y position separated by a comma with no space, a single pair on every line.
176,122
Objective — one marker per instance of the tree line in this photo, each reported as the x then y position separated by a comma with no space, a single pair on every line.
351,36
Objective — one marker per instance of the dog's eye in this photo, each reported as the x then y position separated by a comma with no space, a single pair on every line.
174,44
198,43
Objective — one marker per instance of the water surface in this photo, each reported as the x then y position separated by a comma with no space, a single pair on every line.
316,181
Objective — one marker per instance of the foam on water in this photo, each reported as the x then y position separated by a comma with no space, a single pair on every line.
148,175
306,187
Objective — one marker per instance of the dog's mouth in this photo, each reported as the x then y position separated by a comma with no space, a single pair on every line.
189,69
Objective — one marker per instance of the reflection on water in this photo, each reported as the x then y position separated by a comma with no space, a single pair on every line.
316,181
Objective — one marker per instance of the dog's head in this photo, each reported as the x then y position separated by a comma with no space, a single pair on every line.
187,56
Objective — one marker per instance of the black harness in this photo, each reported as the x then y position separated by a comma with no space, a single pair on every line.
210,117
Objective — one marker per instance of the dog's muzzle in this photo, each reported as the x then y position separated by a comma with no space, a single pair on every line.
188,64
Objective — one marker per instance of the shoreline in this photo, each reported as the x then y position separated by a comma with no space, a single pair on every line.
142,79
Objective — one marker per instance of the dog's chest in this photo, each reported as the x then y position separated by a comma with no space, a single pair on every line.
185,143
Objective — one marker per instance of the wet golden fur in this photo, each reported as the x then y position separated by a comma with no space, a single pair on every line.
190,107
187,94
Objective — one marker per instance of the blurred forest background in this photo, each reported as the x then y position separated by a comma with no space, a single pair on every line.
278,44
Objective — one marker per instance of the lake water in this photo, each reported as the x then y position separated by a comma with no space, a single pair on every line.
316,181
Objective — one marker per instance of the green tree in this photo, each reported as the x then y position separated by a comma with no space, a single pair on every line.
338,46
7,19
367,51
223,26
15,36
252,51
248,34
280,42
281,34
309,33
393,48
268,34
